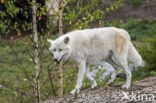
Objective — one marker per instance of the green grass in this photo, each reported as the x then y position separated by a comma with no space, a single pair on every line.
143,34
137,29
137,2
141,29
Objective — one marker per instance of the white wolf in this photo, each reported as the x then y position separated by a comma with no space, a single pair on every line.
88,46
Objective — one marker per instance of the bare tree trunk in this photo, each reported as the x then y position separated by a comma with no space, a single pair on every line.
60,65
55,7
36,59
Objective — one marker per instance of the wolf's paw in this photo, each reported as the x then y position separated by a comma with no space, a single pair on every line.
125,86
76,90
94,85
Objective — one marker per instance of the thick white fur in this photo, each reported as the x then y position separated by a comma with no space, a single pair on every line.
88,46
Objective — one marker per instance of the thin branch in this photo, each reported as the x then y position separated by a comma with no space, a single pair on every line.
21,67
31,39
39,72
51,82
22,4
65,63
30,55
41,51
21,92
29,2
44,82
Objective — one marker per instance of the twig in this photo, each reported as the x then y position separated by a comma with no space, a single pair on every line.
65,63
29,2
30,55
39,72
31,39
41,52
22,93
51,81
44,82
21,67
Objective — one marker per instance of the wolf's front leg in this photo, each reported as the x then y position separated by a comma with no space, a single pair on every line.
82,69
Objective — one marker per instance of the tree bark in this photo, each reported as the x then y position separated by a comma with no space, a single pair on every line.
53,7
60,65
36,52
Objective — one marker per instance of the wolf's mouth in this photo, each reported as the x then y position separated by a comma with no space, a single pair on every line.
60,60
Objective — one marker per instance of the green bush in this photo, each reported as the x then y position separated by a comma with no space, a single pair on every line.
140,29
148,51
137,2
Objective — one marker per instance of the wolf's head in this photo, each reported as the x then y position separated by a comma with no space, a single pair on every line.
59,48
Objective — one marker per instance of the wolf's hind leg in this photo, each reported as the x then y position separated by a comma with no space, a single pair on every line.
115,72
124,64
90,78
113,76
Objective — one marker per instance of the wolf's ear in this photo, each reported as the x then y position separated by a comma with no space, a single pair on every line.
50,41
66,40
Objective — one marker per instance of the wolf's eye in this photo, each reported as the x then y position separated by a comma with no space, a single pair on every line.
54,50
60,50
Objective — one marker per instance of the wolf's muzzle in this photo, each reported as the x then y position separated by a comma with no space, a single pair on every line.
58,61
55,60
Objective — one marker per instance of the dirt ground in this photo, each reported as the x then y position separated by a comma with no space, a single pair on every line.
147,10
143,91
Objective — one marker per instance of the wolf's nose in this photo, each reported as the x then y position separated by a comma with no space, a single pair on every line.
55,60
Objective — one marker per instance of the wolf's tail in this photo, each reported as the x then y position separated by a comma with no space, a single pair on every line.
134,56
